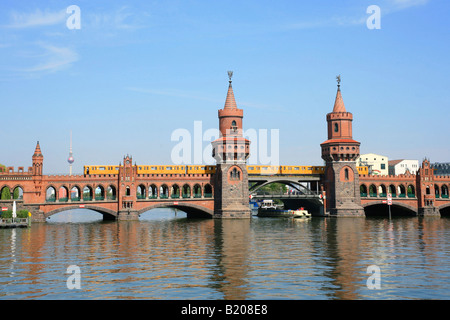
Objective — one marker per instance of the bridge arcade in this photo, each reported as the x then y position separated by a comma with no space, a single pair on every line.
340,189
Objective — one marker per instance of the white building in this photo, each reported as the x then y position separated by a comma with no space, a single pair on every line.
378,164
397,167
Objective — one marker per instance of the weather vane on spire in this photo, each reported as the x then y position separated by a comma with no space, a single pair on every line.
230,75
338,79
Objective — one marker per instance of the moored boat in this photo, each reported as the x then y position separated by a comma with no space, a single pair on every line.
269,209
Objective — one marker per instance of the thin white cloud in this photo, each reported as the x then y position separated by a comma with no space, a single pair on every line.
171,93
386,6
188,95
405,4
120,19
55,59
20,20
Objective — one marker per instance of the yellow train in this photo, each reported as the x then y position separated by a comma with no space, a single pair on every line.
153,169
206,169
284,170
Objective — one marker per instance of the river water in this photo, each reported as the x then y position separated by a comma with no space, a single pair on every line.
166,256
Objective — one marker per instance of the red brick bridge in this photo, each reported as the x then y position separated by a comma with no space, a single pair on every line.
124,196
224,193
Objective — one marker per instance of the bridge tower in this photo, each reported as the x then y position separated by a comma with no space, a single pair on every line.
340,152
127,190
37,160
425,190
231,151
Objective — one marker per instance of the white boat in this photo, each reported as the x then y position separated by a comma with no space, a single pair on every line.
269,209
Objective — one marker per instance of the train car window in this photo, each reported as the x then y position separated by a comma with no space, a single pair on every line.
153,168
168,168
296,168
250,168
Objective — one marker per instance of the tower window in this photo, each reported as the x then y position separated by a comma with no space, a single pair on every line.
346,174
336,127
234,126
235,174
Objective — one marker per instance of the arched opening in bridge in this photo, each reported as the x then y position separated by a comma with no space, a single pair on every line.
111,193
392,190
401,191
87,193
76,216
436,191
382,210
50,194
141,192
372,190
412,191
175,192
444,191
75,194
289,195
170,211
153,192
99,193
207,191
363,190
63,194
5,193
197,191
162,214
382,191
164,192
18,193
445,212
186,191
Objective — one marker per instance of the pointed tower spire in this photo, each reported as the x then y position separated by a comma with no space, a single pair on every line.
38,160
339,102
37,151
230,102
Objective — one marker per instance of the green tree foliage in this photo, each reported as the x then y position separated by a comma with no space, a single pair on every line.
275,187
6,194
8,214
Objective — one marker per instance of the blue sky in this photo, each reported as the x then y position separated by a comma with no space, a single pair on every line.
138,70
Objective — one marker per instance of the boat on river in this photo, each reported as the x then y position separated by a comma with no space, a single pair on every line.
269,209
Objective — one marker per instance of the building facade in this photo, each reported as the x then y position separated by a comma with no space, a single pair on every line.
441,169
377,164
397,167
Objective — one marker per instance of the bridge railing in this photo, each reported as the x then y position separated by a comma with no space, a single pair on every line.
285,194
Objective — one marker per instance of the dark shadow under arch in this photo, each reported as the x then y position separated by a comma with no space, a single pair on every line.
444,210
379,209
192,210
107,213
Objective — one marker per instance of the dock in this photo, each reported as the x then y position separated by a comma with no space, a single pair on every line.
15,223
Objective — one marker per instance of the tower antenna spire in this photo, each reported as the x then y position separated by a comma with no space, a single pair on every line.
70,160
338,79
230,75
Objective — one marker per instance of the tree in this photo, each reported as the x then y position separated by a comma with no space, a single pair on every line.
6,194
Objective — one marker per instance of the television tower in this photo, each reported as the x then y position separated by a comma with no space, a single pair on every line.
70,160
